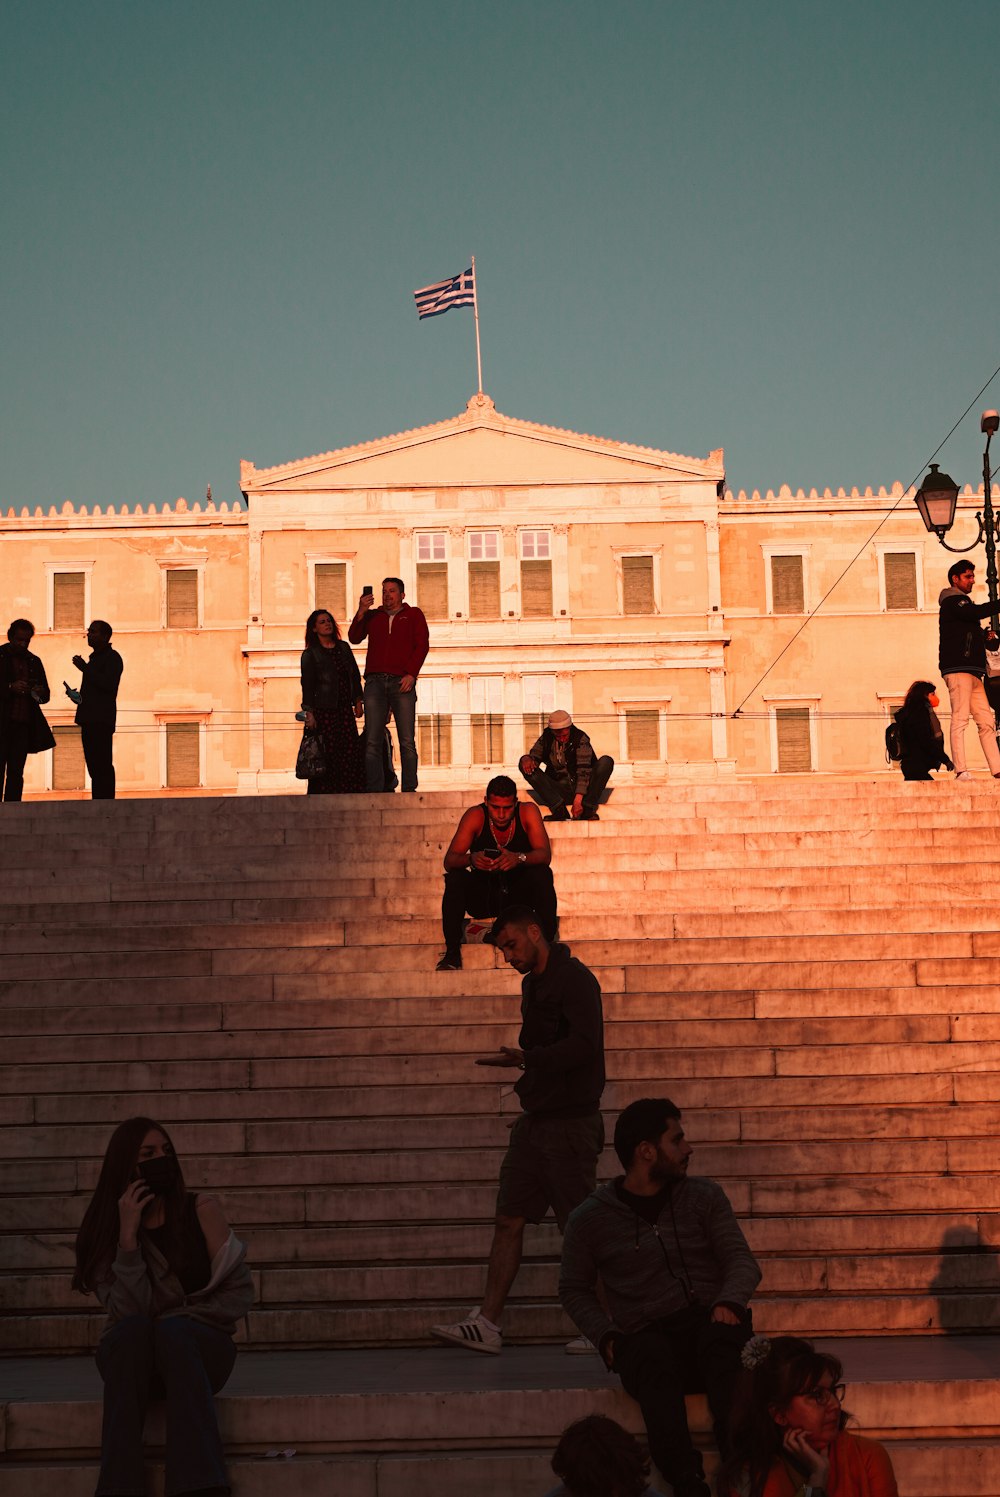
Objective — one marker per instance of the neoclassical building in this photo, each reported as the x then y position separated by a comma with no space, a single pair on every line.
555,569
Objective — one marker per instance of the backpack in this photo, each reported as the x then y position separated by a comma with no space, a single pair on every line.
893,743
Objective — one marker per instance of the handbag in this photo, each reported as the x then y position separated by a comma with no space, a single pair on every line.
40,735
310,762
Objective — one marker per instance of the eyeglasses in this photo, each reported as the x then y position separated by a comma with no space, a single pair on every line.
823,1396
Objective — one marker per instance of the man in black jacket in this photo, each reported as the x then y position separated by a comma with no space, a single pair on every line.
962,662
572,780
97,712
554,1146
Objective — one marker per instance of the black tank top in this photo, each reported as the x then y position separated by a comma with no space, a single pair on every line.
486,839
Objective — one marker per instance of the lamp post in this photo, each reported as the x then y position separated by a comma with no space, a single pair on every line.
937,498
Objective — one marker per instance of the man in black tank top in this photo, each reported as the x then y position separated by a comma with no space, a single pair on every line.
499,855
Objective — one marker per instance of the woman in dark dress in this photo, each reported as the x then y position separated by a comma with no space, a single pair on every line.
332,699
921,736
172,1277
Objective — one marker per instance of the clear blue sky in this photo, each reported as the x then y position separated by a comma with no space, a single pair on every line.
770,227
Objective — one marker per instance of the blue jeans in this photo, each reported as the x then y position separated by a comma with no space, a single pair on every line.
382,696
190,1361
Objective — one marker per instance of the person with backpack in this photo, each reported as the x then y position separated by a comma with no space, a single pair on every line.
919,736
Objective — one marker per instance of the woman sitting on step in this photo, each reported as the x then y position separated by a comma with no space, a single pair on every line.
172,1277
788,1429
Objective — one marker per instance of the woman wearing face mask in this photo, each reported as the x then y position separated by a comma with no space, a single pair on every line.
172,1277
788,1431
921,736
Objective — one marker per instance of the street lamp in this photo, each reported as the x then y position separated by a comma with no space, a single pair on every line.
937,498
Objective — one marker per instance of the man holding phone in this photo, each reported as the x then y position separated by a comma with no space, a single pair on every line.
500,855
397,647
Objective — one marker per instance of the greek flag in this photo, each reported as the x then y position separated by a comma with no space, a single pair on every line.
457,291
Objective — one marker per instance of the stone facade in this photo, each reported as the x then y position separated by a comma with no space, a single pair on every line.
619,581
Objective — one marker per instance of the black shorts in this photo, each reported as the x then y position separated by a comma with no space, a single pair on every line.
549,1162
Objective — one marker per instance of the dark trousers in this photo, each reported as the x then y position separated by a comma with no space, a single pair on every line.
687,1353
188,1360
97,746
558,796
382,697
481,894
14,739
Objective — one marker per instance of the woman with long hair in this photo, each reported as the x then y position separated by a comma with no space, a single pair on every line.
171,1275
332,699
921,734
788,1433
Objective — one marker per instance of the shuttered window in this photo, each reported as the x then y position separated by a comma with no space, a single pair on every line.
538,697
432,589
637,585
486,704
434,740
182,598
69,771
900,580
182,754
331,588
67,606
794,746
787,585
536,589
484,589
642,734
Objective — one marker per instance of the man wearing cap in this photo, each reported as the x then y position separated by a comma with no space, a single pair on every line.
572,781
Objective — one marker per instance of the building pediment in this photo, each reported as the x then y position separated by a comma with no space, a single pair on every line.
481,447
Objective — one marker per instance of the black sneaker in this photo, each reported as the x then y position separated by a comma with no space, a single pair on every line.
450,962
561,815
589,815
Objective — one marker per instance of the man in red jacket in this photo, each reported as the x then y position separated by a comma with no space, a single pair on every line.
397,647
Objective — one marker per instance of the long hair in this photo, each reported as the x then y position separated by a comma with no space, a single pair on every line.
917,695
789,1367
98,1234
595,1457
311,636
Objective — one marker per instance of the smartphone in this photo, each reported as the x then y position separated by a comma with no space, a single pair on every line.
490,852
368,589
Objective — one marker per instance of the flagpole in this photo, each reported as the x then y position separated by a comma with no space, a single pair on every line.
475,308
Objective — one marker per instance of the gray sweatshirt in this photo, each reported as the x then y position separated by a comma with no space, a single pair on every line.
696,1254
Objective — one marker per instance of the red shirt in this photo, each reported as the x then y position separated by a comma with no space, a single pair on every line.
397,643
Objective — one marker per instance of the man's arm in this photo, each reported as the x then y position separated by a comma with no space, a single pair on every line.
103,671
361,622
421,643
584,765
578,1274
740,1269
460,846
580,1000
964,610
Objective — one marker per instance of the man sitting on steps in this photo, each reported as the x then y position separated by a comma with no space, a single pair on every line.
499,855
554,1147
572,780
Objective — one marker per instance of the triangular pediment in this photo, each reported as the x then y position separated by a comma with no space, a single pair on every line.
481,447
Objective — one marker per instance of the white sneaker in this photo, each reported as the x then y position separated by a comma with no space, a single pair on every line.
580,1346
964,774
473,1333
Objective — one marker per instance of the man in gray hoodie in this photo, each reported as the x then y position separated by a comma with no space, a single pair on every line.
677,1275
962,661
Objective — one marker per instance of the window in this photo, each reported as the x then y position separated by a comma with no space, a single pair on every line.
637,585
486,709
434,722
68,608
899,581
642,734
69,771
538,694
181,585
330,588
183,754
536,574
788,590
793,739
484,576
432,574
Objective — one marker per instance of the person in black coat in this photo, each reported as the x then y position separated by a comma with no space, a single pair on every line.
23,686
921,734
332,699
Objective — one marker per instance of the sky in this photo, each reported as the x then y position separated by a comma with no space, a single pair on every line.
767,227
